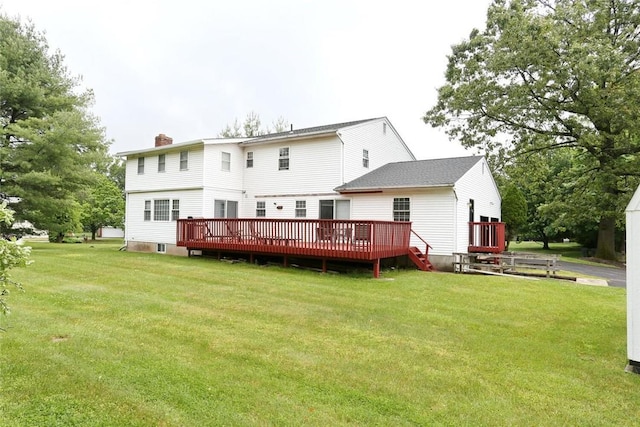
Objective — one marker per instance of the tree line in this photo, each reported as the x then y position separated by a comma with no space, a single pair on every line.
55,169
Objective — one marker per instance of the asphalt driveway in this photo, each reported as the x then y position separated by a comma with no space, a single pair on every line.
615,276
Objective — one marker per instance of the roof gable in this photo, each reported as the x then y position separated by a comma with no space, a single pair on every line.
411,174
316,130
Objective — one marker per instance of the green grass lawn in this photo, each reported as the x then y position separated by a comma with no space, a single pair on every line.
102,337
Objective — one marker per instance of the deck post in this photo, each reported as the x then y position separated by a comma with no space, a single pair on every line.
286,262
376,268
324,265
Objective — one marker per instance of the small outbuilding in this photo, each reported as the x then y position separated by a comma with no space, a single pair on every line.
633,283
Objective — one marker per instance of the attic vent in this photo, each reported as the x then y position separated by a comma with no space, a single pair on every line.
384,128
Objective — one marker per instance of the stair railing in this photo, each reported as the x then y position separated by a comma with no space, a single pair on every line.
427,246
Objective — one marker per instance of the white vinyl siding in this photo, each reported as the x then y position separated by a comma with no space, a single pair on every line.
431,214
315,167
139,230
476,184
382,144
172,178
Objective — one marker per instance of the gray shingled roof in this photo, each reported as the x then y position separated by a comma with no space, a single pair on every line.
418,173
313,130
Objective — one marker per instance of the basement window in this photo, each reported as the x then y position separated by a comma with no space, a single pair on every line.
161,248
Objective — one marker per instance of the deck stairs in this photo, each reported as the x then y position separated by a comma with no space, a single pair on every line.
421,260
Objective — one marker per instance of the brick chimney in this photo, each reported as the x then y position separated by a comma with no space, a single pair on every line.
163,139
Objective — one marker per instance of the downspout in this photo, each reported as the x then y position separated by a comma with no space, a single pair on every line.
455,220
126,217
339,135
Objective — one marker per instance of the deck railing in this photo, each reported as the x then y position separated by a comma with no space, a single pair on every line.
486,237
351,239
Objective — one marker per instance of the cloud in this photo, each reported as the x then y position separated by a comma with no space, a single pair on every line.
188,68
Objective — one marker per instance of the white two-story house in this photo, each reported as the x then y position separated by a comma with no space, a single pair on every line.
354,170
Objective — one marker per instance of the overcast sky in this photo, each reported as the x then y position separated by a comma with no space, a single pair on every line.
187,68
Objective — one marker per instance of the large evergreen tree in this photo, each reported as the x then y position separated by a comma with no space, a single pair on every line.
550,74
49,142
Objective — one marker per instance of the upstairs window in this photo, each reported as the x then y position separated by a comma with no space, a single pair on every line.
401,209
250,159
226,161
184,160
140,165
365,158
261,209
283,160
161,162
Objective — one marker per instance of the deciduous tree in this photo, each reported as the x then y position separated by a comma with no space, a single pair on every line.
514,210
102,205
252,126
550,74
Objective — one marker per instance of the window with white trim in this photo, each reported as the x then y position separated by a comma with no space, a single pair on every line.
161,162
161,210
226,161
261,209
365,158
249,159
140,165
184,160
283,159
401,209
147,210
301,208
175,209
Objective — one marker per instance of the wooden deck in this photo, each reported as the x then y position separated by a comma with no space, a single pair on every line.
486,237
365,241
